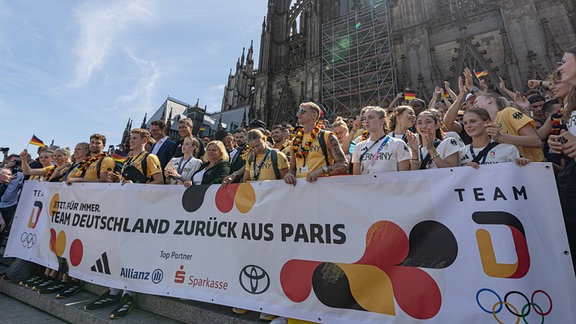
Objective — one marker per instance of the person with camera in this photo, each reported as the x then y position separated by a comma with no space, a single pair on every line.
4,151
11,179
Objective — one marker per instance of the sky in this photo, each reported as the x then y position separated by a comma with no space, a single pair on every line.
69,69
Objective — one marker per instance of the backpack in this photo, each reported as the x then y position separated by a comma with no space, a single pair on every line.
322,142
274,159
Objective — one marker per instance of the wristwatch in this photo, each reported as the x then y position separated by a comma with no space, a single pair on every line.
325,169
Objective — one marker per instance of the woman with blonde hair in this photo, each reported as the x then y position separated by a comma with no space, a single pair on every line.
52,173
46,158
340,128
216,165
261,163
380,152
180,169
565,143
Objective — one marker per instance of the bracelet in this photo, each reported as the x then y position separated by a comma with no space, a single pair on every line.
434,156
414,161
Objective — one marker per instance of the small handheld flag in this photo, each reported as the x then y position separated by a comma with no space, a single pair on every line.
36,141
409,95
481,74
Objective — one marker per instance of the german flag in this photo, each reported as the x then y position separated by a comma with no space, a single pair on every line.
481,74
36,141
202,128
446,94
409,95
119,156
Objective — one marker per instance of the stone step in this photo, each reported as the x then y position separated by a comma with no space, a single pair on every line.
149,308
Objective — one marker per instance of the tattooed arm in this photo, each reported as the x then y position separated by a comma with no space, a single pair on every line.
340,165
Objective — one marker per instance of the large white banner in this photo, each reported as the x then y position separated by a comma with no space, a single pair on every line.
445,246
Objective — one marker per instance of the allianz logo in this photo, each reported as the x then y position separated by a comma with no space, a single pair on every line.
156,276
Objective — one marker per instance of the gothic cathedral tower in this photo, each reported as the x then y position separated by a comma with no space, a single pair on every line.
289,66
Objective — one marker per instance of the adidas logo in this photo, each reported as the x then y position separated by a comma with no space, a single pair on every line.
101,265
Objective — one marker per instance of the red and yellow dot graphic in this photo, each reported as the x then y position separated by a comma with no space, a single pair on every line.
241,195
58,241
58,246
387,274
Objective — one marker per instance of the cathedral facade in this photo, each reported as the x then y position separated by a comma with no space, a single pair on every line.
345,54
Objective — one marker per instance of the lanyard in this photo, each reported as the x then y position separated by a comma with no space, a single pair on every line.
257,169
379,150
182,165
426,158
474,155
363,154
403,136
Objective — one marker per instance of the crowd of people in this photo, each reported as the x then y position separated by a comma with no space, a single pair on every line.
471,126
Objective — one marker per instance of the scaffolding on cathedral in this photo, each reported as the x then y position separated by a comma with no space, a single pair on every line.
358,61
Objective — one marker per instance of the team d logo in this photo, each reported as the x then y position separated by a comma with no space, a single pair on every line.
486,248
35,214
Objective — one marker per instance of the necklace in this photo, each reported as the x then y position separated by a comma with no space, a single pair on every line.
301,150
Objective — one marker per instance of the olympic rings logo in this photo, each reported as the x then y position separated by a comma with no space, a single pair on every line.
524,311
28,240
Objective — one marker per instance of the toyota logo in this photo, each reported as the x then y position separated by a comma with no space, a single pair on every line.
28,240
254,279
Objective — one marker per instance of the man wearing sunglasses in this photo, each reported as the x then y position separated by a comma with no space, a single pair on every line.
314,152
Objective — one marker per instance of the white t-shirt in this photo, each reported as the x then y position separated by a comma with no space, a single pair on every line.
455,136
572,123
446,148
500,153
186,170
380,158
